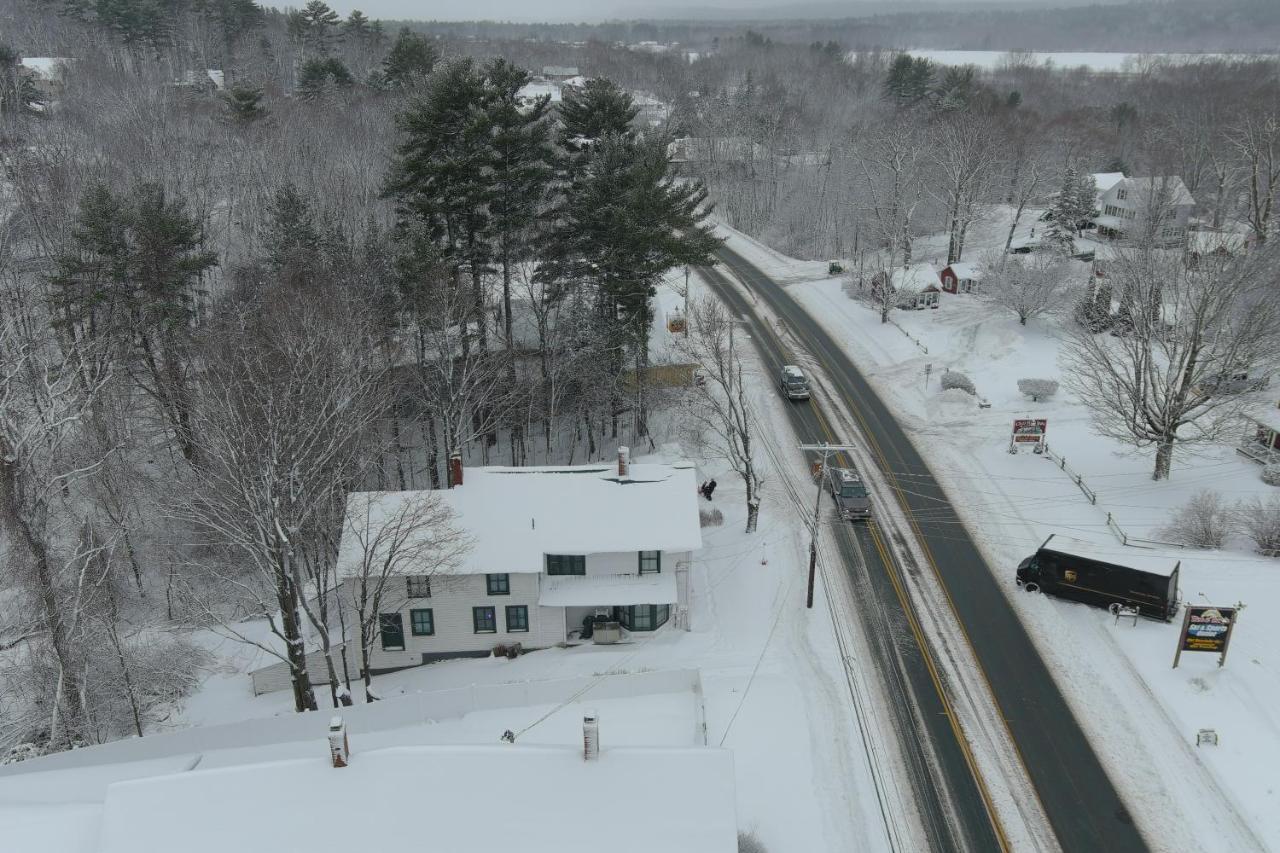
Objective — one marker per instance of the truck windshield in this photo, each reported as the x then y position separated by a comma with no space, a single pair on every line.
851,491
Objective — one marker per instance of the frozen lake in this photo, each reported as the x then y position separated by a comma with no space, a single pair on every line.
1068,59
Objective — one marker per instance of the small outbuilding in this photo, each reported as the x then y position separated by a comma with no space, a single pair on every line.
961,278
916,285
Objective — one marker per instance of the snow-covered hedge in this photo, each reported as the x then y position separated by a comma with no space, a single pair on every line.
1038,389
956,379
1205,521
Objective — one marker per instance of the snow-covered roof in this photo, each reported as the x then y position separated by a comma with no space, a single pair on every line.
451,795
559,71
914,278
963,271
530,91
1106,180
1267,416
1135,558
46,67
515,516
1170,190
608,590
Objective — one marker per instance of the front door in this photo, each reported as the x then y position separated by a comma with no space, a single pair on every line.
391,626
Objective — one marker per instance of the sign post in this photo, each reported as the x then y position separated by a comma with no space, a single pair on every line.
928,368
1028,431
1207,629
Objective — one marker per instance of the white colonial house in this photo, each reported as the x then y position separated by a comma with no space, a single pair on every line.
1132,207
552,548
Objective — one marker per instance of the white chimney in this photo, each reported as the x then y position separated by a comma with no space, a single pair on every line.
590,736
624,462
339,749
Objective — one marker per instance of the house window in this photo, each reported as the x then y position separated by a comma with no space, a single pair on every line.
566,564
419,586
484,620
517,618
650,562
391,628
498,584
1122,194
422,622
644,617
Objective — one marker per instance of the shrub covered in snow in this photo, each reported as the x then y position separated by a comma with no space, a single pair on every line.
1260,521
1038,389
748,843
956,379
1271,474
1205,521
710,517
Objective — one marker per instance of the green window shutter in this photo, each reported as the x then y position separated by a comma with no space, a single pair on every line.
391,628
483,620
517,618
422,622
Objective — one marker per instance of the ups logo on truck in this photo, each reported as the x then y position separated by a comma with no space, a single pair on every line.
1069,575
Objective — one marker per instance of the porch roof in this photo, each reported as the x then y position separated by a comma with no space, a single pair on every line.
1267,416
608,590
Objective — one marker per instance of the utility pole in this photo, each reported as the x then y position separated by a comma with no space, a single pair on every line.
826,450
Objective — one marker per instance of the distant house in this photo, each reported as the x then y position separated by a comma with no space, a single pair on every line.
916,285
1158,208
48,74
559,73
1216,243
717,149
652,111
961,278
1261,440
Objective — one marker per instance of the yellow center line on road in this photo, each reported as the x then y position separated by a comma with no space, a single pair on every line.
892,571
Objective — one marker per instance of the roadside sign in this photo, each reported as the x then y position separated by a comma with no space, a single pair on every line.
1206,629
1029,430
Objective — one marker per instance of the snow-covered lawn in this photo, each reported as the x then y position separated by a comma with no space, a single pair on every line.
1142,714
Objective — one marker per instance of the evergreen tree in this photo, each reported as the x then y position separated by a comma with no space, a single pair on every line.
594,110
292,240
622,225
410,60
910,79
130,278
244,103
1074,203
356,27
956,90
314,26
320,76
438,177
521,169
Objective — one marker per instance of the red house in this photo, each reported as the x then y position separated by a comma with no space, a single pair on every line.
961,278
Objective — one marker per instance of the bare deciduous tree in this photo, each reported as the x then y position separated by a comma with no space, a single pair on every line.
1256,139
391,536
720,410
1027,285
1155,382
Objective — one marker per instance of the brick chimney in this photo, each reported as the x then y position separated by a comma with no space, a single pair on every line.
624,462
339,749
455,470
590,736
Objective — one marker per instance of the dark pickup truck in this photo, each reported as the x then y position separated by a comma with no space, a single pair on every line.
1094,574
849,493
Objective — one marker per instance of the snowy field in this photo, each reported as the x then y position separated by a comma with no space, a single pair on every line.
1142,714
1113,62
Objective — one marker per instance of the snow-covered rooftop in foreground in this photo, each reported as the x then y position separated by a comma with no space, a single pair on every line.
964,271
479,799
1135,558
1106,180
517,515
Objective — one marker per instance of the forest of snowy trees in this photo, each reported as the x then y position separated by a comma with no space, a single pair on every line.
221,312
223,309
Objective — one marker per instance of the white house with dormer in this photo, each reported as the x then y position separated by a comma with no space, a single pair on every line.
552,555
1140,207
